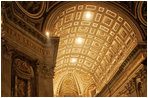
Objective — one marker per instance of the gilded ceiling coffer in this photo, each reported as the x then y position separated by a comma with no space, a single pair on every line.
101,46
95,39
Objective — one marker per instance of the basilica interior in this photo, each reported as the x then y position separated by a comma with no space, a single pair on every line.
73,48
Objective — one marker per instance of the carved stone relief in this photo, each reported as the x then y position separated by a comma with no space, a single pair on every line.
135,84
108,34
24,74
46,72
23,69
21,87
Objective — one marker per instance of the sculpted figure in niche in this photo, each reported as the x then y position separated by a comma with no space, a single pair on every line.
23,69
21,88
24,72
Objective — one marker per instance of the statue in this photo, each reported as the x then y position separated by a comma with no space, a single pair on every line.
21,88
24,73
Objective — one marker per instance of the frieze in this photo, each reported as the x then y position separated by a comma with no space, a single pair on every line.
22,39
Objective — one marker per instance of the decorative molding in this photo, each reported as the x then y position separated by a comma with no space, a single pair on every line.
139,48
50,8
25,6
47,72
26,41
135,84
142,12
129,6
107,39
23,69
11,17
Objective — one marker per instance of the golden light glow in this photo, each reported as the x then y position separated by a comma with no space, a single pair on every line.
47,34
73,60
88,15
1,20
79,40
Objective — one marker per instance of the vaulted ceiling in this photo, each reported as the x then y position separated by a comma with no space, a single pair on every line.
94,42
95,39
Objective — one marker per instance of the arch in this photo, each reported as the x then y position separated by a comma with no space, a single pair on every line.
88,91
33,15
57,10
107,36
62,87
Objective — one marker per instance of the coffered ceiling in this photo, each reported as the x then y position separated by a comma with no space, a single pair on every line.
95,39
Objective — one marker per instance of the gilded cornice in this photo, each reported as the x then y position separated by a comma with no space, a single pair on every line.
28,43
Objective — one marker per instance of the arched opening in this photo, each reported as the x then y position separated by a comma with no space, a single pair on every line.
96,37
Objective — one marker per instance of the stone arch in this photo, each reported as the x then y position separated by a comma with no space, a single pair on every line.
108,37
65,85
57,10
